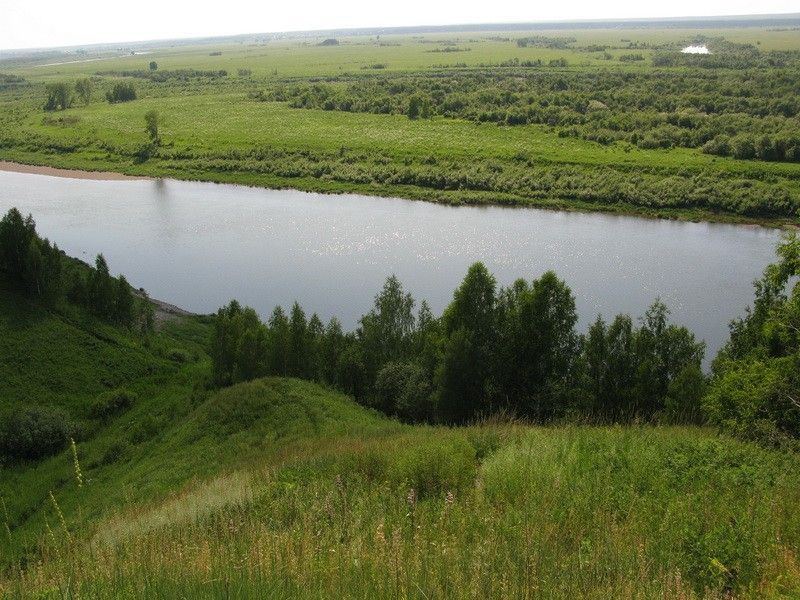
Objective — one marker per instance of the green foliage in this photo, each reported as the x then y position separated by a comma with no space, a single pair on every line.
514,350
755,388
404,389
469,338
59,96
33,432
84,88
121,92
151,121
113,403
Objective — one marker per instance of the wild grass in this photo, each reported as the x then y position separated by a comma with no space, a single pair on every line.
280,488
559,512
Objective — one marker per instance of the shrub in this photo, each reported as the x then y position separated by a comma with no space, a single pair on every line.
112,403
115,452
178,355
121,92
34,432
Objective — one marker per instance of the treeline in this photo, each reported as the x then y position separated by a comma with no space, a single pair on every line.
41,270
9,82
652,109
159,76
514,349
517,180
543,41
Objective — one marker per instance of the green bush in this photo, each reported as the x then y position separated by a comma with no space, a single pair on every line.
34,432
115,452
121,92
112,403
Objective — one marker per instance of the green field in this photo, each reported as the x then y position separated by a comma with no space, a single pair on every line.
281,488
492,451
214,128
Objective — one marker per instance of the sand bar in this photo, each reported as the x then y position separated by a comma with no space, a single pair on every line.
72,173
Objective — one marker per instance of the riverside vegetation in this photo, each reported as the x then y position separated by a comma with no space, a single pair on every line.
197,457
590,119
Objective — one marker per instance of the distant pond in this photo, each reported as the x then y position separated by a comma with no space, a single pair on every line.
197,245
696,50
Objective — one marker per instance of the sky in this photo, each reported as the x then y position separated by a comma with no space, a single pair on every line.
45,23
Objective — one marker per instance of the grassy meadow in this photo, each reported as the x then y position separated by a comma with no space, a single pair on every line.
211,128
281,488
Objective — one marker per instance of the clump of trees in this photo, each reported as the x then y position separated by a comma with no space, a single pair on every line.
121,92
84,88
513,349
755,386
648,108
44,272
59,96
541,41
160,76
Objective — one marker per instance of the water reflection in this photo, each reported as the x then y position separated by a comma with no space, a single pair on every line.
198,244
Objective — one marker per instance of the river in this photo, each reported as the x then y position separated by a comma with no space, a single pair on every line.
197,245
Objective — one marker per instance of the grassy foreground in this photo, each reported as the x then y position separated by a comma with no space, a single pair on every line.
280,488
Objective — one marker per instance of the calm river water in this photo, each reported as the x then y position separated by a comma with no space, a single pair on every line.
198,245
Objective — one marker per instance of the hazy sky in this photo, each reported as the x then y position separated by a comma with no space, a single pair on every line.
41,23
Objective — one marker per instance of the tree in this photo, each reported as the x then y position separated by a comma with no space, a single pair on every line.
415,104
331,346
298,363
404,389
386,332
468,356
124,303
538,346
224,344
662,352
250,352
59,96
101,289
755,386
151,121
16,234
153,65
121,92
84,88
278,343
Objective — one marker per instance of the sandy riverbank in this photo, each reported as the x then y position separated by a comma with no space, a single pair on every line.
71,173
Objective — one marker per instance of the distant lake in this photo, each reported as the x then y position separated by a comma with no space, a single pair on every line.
197,245
696,50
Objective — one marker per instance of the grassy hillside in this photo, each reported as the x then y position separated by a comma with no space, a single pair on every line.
280,488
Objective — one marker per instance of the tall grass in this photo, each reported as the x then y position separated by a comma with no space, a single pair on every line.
545,513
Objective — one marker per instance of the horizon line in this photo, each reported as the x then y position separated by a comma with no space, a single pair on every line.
399,29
